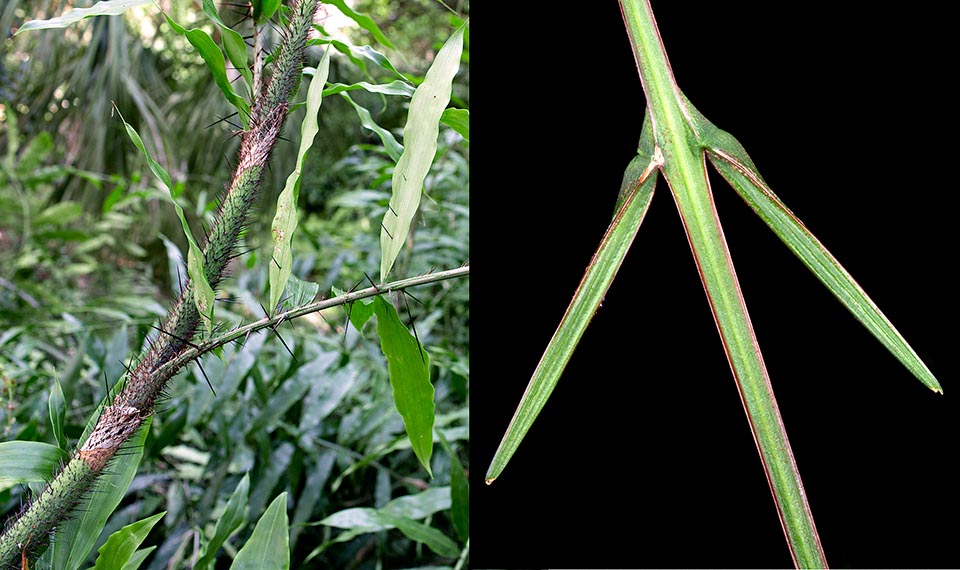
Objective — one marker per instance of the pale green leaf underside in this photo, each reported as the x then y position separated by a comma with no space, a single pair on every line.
638,184
105,8
286,219
419,148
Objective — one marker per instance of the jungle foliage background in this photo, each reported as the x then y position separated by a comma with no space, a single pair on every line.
89,250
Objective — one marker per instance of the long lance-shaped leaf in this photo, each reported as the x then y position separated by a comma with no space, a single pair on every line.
419,147
106,8
733,163
685,171
203,297
286,219
639,181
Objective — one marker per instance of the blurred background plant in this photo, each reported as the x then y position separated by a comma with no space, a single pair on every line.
90,251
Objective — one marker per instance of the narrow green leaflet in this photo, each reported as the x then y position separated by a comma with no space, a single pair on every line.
232,519
359,55
397,87
639,181
409,369
390,144
458,120
232,43
76,537
269,546
285,221
731,160
117,551
213,57
364,21
459,491
419,532
203,293
105,8
420,146
137,558
58,413
28,461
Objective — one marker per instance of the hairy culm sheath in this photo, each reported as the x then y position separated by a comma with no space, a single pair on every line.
31,529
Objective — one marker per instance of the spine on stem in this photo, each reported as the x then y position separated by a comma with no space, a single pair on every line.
119,420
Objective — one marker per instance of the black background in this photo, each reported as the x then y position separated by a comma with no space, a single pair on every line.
643,457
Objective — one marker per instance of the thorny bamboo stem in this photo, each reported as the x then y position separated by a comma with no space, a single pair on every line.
241,332
28,533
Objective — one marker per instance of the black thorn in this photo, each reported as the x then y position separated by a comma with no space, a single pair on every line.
183,340
413,325
276,262
221,119
205,377
179,280
106,384
405,292
392,210
386,230
346,326
285,344
372,284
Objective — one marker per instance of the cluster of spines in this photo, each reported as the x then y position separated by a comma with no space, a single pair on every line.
29,532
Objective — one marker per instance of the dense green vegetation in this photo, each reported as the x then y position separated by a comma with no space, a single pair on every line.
92,256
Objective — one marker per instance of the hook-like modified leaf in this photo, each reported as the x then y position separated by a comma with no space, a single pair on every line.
639,181
729,157
105,8
419,148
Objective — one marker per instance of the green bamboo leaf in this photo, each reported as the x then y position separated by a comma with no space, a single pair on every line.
203,292
396,87
217,65
232,43
639,181
364,21
263,10
729,157
459,491
286,219
104,8
360,55
60,214
29,461
458,120
401,513
117,551
269,545
409,369
420,146
390,144
137,558
230,522
360,312
419,532
76,537
58,413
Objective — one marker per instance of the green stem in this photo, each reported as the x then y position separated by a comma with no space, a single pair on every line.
685,170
